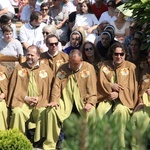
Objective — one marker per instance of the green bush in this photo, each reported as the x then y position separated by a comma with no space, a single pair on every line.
141,10
102,135
13,139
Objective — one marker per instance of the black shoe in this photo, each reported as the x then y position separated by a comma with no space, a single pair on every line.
58,145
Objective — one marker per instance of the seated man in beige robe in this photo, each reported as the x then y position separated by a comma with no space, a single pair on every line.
3,97
74,84
117,91
140,119
29,93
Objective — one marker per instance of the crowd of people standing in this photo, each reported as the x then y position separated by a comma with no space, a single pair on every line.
78,53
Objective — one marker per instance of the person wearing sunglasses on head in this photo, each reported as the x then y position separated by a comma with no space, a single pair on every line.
53,57
117,91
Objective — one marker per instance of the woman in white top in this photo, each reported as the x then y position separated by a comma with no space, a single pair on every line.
8,45
87,20
121,26
110,14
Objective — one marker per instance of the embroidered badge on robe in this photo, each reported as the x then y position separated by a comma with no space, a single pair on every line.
146,78
106,70
59,62
61,74
125,71
22,72
2,76
44,61
85,73
43,74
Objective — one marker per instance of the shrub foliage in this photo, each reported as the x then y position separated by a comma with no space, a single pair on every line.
141,11
13,139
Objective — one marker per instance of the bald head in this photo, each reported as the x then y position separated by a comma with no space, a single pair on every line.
75,59
75,53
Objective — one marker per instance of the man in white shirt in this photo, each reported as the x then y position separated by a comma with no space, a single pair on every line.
28,9
6,9
31,32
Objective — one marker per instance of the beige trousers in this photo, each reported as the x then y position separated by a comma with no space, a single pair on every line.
3,115
25,113
55,118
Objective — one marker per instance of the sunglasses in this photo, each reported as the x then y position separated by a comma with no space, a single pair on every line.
47,33
117,54
44,9
52,44
88,49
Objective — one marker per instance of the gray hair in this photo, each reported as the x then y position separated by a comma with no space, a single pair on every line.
51,28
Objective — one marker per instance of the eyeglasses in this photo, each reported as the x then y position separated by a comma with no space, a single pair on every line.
47,33
52,44
44,9
117,54
88,49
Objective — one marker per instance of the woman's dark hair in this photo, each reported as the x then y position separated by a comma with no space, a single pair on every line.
113,48
96,54
137,40
46,4
88,6
112,2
